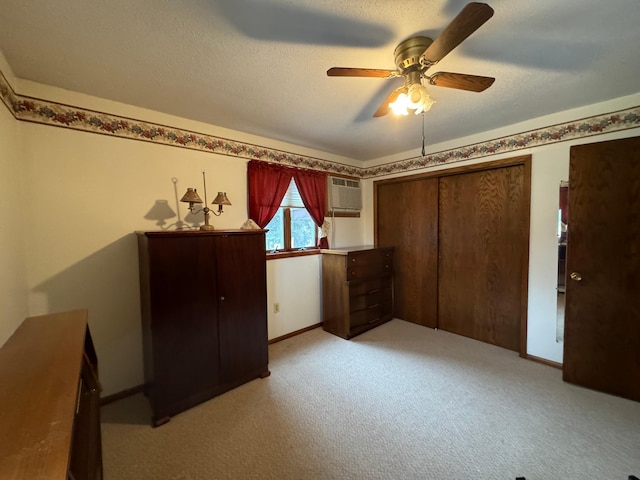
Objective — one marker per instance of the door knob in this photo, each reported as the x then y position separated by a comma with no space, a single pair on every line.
576,276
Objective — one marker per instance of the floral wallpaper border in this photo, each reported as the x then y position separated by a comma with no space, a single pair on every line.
586,127
46,112
6,93
60,115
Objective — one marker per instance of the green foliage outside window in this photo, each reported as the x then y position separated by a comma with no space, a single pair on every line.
275,235
303,230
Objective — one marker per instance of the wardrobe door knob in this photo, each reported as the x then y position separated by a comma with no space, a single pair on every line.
576,276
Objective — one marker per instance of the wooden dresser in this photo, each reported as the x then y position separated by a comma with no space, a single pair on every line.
50,401
204,315
357,289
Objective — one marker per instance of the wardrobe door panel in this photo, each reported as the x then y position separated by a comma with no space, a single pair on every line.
184,326
482,228
407,219
242,308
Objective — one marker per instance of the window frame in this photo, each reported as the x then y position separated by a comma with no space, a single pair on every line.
292,200
287,248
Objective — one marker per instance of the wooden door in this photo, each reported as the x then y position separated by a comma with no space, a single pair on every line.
242,307
483,247
602,313
407,219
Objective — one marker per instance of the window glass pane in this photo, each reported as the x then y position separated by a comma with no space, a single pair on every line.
303,230
275,235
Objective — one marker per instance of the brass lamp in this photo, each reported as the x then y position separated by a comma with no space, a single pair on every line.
220,200
191,197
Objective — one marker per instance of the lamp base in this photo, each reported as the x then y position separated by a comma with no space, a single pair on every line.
206,227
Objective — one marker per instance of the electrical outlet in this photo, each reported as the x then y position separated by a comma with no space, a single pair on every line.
276,307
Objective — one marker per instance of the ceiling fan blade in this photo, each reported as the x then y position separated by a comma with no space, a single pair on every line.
361,72
461,81
384,108
472,17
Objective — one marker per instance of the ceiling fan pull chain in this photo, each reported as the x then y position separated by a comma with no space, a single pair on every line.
423,135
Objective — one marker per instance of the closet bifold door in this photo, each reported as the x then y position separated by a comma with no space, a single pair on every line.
407,219
483,236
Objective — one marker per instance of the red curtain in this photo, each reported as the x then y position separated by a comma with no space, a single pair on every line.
313,191
267,185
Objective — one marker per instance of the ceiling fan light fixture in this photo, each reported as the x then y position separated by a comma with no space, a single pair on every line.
419,99
415,97
400,105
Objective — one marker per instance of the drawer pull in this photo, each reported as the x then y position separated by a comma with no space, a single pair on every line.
375,305
374,320
371,292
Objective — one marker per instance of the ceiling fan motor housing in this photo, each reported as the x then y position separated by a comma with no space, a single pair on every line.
407,54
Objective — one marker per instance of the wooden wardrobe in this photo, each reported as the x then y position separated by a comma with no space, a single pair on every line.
204,315
461,239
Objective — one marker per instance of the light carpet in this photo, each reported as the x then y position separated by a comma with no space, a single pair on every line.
398,402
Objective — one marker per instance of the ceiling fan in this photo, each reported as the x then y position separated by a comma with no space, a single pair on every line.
415,55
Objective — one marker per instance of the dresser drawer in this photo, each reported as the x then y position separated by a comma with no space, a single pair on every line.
368,316
371,263
370,285
370,299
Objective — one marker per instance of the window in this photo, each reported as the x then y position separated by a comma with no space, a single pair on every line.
275,203
291,227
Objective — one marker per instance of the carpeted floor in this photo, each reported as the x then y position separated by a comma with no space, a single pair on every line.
398,402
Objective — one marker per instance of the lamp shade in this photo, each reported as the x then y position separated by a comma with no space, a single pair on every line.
191,196
221,199
414,97
418,98
400,105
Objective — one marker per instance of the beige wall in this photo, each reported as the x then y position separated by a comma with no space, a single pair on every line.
88,194
13,216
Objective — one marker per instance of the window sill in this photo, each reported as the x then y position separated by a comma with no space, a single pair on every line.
293,253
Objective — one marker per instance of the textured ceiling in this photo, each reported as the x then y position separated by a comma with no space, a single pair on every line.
259,66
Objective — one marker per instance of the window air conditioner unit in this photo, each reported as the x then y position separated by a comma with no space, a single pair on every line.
344,194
